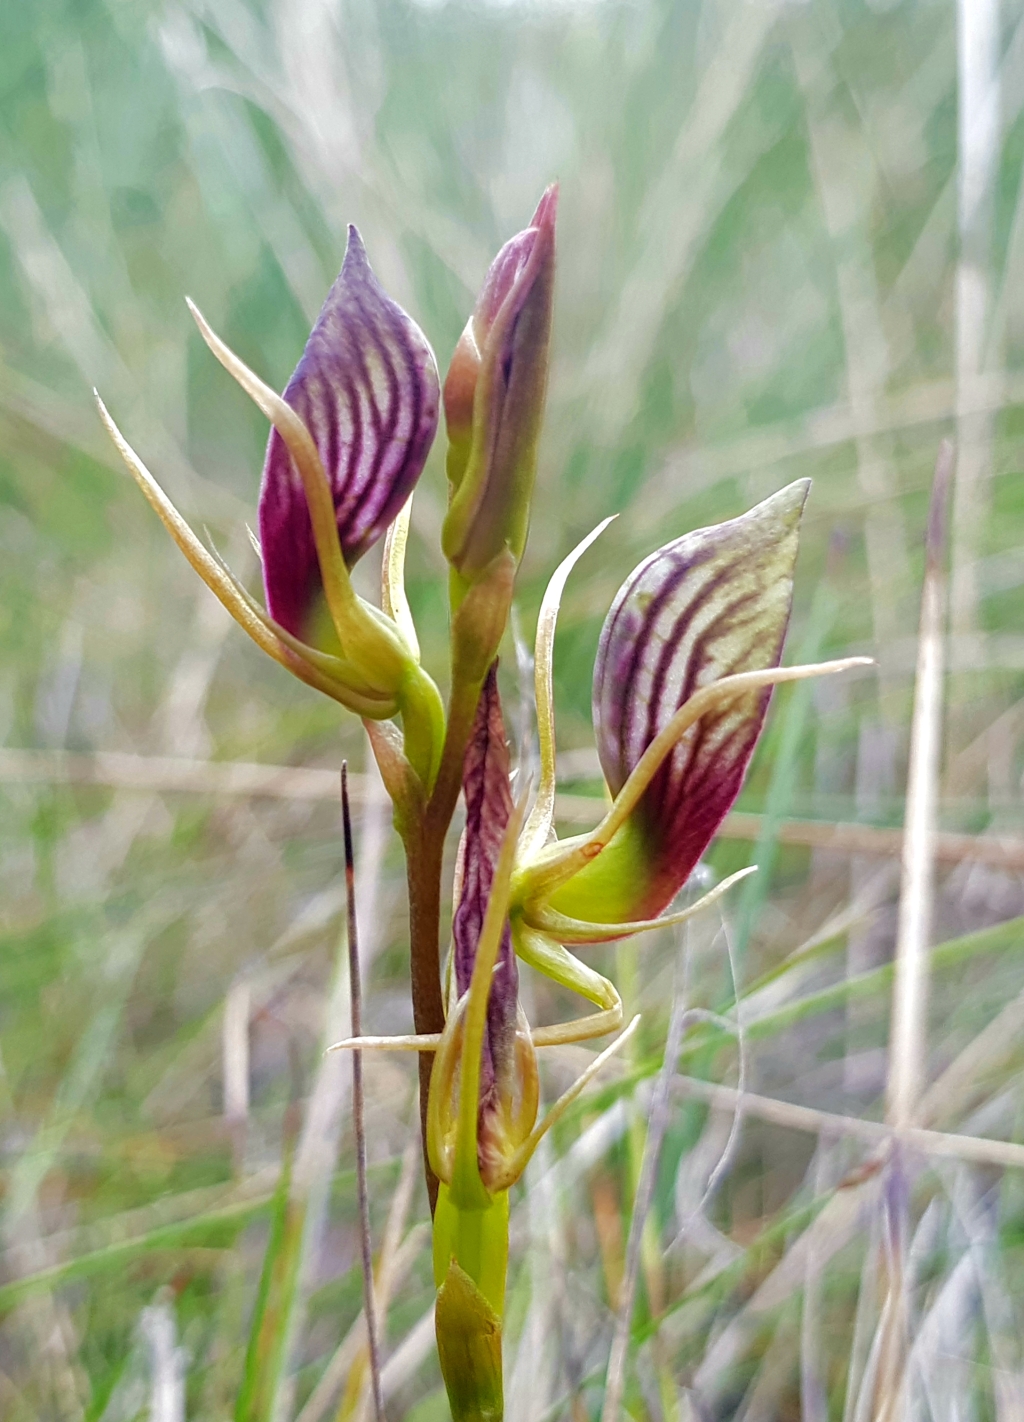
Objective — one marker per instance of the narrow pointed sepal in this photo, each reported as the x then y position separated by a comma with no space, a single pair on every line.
712,604
326,673
539,827
367,390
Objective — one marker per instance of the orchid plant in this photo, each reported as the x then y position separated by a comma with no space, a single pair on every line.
687,659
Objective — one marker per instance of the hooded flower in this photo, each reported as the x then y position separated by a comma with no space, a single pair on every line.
712,603
348,443
686,661
367,390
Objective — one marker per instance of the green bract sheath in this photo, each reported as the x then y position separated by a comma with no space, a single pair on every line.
469,1348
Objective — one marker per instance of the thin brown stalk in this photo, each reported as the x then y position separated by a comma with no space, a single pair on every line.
392,1271
355,992
397,1255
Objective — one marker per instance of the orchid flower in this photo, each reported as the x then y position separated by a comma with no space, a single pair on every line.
494,400
687,659
349,440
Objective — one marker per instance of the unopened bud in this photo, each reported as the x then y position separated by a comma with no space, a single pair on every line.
494,401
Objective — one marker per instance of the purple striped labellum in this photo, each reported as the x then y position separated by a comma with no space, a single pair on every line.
709,605
367,389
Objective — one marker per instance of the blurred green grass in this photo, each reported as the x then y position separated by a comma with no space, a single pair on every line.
759,251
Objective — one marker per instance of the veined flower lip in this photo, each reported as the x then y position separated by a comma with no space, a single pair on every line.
572,891
367,389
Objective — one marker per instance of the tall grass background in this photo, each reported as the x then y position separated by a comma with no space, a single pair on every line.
791,243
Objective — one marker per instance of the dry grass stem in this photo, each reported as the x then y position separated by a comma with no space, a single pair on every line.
908,1036
940,1144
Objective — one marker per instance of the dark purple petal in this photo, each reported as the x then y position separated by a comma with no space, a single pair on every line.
485,785
367,389
714,602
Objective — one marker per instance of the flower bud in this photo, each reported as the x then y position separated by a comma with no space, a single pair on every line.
494,401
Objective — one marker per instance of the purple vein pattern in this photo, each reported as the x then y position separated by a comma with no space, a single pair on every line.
714,602
485,785
367,390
